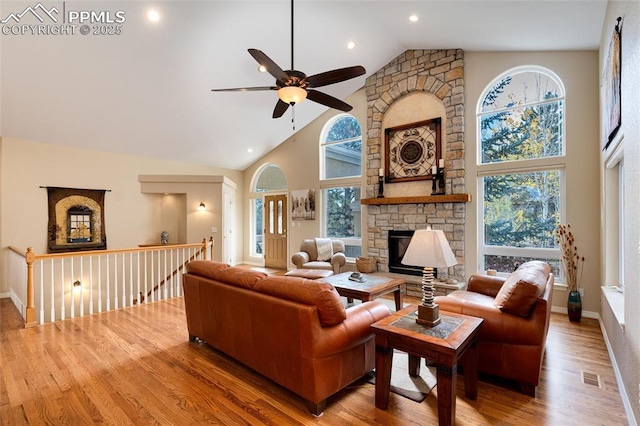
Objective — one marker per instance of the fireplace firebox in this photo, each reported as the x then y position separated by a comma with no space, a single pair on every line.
398,242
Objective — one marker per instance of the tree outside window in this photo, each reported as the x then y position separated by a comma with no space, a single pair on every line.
521,121
341,165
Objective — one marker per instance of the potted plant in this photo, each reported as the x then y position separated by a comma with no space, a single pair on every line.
573,265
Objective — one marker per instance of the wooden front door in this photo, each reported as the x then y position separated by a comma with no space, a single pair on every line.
275,231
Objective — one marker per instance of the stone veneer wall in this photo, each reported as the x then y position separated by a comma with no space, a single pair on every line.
440,72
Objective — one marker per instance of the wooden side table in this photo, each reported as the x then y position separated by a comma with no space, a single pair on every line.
454,339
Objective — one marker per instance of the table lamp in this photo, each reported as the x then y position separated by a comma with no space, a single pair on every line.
431,248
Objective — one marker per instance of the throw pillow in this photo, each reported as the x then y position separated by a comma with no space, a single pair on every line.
520,291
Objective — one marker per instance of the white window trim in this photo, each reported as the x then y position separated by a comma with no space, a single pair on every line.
518,166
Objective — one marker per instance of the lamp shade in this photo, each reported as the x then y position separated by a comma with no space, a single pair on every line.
292,94
429,248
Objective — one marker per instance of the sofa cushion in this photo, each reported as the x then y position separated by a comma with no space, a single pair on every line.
240,277
520,291
206,268
222,272
315,293
539,265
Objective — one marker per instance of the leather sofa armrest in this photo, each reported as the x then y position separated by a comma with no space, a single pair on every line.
337,261
352,331
300,258
485,284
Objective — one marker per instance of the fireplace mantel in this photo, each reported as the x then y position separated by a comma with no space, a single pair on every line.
450,198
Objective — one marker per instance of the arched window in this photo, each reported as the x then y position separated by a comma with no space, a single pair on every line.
341,144
267,178
520,168
340,181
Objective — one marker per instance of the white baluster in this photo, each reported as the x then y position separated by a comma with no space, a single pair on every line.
73,292
146,253
130,279
99,284
41,291
53,290
171,254
151,284
108,307
139,272
62,289
115,281
166,280
90,285
124,282
81,286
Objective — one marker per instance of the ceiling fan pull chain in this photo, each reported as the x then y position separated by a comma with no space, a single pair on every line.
293,116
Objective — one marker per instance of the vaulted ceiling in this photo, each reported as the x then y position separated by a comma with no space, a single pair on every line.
148,92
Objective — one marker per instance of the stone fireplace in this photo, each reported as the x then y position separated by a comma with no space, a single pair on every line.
417,85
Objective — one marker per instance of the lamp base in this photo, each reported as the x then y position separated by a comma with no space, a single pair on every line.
428,315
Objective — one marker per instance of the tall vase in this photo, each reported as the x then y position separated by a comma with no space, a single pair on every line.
574,306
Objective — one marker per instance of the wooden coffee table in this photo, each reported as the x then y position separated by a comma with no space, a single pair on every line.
374,287
453,339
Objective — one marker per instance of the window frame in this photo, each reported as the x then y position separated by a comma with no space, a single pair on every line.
526,165
324,144
338,182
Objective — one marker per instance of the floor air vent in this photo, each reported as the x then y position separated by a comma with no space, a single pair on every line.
591,379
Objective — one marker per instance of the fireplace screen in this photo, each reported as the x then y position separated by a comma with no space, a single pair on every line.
398,243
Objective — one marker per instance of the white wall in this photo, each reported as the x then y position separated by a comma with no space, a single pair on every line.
131,218
625,344
578,70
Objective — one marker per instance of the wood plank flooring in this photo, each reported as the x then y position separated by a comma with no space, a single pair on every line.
136,366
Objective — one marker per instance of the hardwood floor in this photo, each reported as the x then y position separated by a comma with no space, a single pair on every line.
137,366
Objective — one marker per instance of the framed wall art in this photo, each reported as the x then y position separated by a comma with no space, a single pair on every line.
611,87
303,204
76,220
411,150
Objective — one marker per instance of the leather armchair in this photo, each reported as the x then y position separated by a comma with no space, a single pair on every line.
516,312
307,257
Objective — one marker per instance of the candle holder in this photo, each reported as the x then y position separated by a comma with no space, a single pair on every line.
437,186
380,186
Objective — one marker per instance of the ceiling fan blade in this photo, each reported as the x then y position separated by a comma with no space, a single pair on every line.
246,89
266,62
280,109
328,100
335,76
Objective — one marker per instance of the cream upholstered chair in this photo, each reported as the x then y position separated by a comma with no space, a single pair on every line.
307,257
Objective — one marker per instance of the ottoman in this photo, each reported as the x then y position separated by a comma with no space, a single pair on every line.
310,274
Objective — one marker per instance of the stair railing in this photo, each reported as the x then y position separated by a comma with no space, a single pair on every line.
61,285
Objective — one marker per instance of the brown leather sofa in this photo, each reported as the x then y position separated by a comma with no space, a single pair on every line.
516,312
307,257
292,330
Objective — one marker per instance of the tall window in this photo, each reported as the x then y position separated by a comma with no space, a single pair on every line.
520,169
267,178
340,180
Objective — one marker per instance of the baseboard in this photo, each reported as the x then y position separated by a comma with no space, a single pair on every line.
3,295
18,303
252,263
626,402
586,314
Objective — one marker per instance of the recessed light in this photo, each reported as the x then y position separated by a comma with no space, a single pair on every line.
249,150
262,68
413,18
153,15
351,45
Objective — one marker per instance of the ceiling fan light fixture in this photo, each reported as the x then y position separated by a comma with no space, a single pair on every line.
292,94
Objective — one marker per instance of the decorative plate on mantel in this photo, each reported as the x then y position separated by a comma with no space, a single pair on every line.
411,150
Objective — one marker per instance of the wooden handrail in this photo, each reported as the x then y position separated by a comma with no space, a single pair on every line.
31,257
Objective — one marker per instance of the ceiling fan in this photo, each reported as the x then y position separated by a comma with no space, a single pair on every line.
294,86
